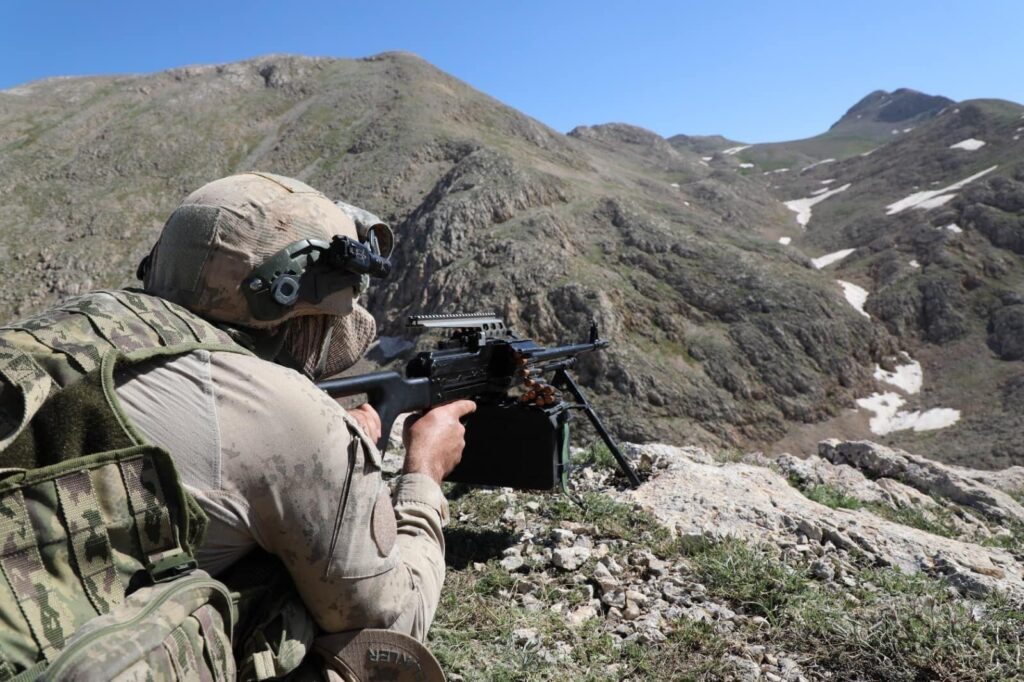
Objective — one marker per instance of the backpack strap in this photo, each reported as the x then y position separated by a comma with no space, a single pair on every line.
89,540
31,380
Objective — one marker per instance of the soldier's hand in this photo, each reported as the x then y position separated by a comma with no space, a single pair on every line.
434,440
368,420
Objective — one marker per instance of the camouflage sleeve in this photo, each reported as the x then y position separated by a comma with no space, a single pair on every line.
360,557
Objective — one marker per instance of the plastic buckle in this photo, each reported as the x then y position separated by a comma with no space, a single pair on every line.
166,566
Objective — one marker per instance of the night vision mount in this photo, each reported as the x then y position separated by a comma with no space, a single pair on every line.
310,270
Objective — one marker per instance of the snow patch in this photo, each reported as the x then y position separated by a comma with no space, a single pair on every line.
674,184
907,377
828,182
816,164
802,207
706,158
785,240
831,258
933,198
735,150
954,228
889,417
870,152
970,144
819,191
855,295
907,130
746,165
914,264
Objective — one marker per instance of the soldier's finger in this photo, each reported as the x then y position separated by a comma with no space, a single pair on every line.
460,408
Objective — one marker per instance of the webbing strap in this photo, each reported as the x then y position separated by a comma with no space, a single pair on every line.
44,610
215,645
203,332
186,655
31,380
63,331
169,328
90,543
153,523
123,332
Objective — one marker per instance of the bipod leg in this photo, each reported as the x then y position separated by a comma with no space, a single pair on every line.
562,377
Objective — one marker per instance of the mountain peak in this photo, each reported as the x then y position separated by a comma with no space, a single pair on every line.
900,106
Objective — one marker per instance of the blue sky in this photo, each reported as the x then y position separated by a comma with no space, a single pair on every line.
752,70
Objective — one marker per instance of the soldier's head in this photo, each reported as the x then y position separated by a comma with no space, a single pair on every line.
276,260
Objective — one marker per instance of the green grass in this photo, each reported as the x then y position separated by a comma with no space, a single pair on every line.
595,455
888,626
828,496
938,521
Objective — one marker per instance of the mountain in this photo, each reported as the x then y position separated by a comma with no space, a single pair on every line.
721,334
934,221
872,121
878,112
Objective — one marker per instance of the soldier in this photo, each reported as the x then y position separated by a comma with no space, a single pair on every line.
240,273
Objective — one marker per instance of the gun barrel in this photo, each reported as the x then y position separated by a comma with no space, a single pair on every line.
566,351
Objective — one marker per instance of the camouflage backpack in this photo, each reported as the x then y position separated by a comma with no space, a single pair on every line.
97,534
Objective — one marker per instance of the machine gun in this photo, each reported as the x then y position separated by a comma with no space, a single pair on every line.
519,434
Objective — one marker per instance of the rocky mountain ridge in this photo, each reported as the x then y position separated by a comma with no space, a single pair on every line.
721,335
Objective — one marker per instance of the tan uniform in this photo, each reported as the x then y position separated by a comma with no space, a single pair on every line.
277,463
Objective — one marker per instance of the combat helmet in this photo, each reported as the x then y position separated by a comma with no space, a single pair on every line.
256,250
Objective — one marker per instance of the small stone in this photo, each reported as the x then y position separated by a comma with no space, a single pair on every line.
822,570
584,613
584,541
789,667
569,558
632,610
755,652
531,603
723,612
525,587
657,567
601,551
514,550
613,566
533,506
636,596
525,636
744,670
697,614
560,537
604,579
512,563
615,598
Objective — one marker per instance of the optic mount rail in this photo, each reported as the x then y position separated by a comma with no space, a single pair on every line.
488,322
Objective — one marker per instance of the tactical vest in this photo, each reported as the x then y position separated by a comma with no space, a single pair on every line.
95,527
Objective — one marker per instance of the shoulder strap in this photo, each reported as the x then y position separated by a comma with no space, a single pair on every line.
29,379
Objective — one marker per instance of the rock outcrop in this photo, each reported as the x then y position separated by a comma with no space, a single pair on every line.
698,496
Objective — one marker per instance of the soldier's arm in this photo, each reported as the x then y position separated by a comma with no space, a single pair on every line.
317,500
